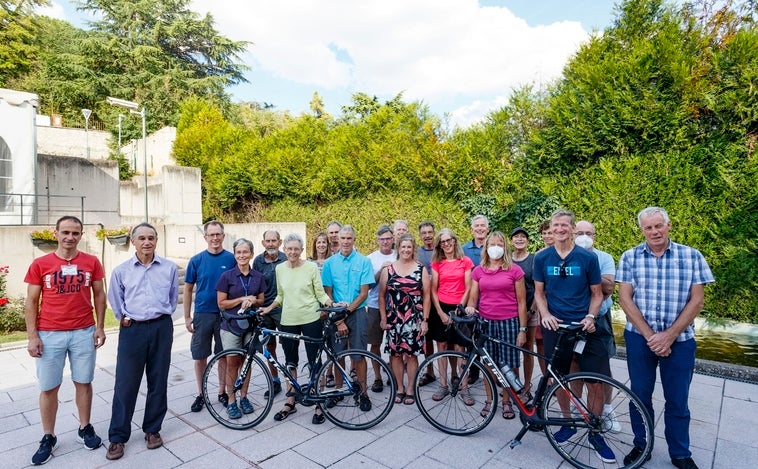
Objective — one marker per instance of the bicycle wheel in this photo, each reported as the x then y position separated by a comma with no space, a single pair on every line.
257,383
588,439
343,405
450,413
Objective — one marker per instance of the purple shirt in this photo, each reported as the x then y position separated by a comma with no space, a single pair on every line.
497,291
235,285
144,292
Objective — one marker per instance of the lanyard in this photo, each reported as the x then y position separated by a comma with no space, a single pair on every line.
246,286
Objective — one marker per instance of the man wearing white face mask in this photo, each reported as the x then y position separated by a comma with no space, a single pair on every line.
584,236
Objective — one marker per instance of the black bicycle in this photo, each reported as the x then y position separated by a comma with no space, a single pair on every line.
332,384
561,406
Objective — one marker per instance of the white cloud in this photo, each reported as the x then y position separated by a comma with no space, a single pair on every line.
428,49
54,10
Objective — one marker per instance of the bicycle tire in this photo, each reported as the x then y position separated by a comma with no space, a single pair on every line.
260,381
345,410
451,414
577,449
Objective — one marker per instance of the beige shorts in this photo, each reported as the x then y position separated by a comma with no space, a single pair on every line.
533,318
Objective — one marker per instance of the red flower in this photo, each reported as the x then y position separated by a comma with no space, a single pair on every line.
3,301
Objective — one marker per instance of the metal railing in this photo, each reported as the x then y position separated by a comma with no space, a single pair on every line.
38,209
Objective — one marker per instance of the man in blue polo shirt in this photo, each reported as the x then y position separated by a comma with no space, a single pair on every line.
347,277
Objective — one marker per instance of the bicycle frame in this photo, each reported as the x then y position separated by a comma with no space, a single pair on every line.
530,411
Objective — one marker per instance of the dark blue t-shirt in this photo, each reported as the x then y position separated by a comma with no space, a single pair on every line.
204,270
567,281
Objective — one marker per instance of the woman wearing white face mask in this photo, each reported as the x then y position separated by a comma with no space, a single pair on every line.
498,288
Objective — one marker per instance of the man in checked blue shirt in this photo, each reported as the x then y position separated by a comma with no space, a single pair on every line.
661,290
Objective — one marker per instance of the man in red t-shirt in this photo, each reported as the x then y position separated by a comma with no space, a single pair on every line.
62,287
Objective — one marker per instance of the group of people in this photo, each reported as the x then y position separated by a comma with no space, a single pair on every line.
400,296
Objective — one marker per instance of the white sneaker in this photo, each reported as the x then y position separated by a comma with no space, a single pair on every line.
611,422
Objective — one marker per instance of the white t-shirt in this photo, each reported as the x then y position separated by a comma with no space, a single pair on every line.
377,259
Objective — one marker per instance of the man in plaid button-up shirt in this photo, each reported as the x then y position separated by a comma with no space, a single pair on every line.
661,290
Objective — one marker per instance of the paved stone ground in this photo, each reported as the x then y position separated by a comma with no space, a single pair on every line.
724,432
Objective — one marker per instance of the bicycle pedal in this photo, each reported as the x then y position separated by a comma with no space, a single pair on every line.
514,443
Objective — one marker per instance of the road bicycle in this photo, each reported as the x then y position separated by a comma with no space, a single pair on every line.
332,384
560,408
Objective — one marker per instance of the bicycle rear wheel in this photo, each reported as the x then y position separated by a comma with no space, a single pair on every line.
258,381
589,439
450,413
343,406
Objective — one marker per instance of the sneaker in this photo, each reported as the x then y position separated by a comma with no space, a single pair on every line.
246,406
197,406
465,395
223,398
115,451
333,401
634,455
277,389
46,446
364,403
601,449
378,386
88,437
611,422
564,434
233,411
684,463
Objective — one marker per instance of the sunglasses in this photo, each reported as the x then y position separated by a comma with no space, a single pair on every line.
562,271
447,241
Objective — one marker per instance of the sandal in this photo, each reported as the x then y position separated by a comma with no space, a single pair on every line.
284,413
466,396
508,413
378,385
329,381
486,409
426,378
410,399
399,398
441,393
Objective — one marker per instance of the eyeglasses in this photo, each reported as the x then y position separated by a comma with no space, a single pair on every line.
580,233
447,241
384,239
215,235
562,271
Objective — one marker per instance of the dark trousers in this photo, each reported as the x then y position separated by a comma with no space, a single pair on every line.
142,348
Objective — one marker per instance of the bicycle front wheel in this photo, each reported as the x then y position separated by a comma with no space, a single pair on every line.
448,410
589,435
353,406
223,371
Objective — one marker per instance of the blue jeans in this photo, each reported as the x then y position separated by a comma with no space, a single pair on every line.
676,375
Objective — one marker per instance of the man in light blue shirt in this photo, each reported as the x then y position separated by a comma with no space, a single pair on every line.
143,294
347,277
662,290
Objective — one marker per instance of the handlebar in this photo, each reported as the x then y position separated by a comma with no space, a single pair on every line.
334,313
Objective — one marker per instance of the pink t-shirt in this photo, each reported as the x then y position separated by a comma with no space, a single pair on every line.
452,279
497,291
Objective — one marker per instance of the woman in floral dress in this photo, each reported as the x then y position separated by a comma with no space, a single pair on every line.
404,305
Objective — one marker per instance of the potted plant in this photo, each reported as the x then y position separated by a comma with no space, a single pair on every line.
116,236
43,237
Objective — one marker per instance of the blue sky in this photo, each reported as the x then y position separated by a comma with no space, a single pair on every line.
460,57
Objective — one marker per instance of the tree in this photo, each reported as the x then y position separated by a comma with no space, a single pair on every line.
18,28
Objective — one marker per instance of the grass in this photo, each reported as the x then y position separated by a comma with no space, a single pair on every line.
20,336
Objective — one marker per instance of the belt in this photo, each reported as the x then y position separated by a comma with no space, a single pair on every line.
126,321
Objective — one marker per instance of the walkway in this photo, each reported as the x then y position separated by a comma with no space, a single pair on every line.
724,433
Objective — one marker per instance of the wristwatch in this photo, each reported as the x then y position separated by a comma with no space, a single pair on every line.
594,318
523,329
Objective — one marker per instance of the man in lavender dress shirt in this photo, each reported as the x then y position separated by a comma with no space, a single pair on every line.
143,294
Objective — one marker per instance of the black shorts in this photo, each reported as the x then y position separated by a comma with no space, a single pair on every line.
272,320
206,331
594,358
440,332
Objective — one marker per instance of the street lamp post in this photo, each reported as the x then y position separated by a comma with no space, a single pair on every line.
120,118
87,113
132,106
